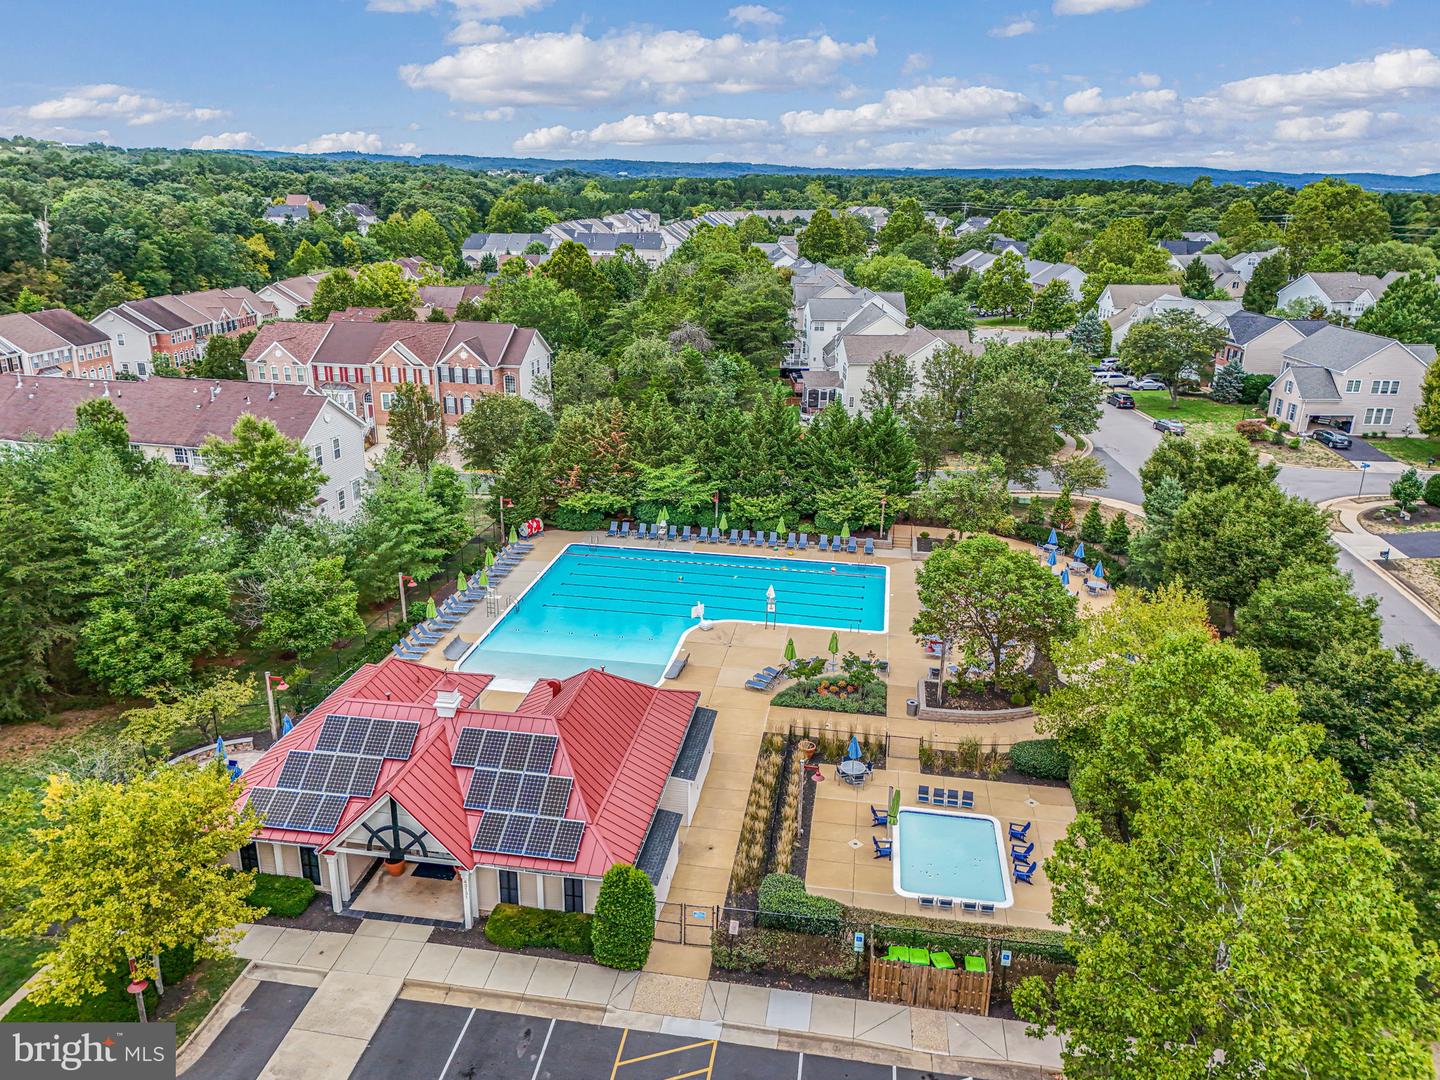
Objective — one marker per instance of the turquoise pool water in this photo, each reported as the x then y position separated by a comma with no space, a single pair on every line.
626,608
953,855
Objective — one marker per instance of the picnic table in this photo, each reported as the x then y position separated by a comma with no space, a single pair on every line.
852,772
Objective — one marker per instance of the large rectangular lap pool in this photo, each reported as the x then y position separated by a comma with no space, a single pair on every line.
951,855
626,608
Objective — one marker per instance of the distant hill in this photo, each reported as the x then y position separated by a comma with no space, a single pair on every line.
617,167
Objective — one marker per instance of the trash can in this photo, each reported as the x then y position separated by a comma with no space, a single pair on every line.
912,707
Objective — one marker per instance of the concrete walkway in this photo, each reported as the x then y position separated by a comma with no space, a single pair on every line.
357,977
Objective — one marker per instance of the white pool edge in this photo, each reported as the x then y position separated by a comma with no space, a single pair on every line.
1000,852
499,682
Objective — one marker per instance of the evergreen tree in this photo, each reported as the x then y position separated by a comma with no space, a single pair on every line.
1091,336
1117,538
1197,284
1270,276
1092,525
1427,412
1062,513
1229,382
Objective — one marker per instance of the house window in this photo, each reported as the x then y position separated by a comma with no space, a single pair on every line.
1290,414
1289,386
287,374
182,456
335,448
1352,386
1385,386
300,374
119,339
449,404
509,886
141,369
310,864
355,490
487,377
340,497
385,400
250,857
1279,406
574,894
318,452
1379,417
509,384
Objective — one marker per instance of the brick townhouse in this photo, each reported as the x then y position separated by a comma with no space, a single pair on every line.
178,326
54,342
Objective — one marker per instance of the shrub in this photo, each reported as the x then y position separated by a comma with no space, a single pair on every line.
1255,389
1432,490
835,693
785,905
577,520
1092,525
514,927
280,895
1294,444
1040,758
624,923
1253,428
1117,539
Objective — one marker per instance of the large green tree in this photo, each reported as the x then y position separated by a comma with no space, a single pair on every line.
1408,311
1005,287
416,427
258,477
1175,344
1271,274
495,424
1405,802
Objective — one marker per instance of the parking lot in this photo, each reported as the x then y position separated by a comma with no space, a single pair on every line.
420,1040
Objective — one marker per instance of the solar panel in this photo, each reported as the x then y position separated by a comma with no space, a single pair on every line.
280,808
556,797
532,789
306,807
517,828
517,750
316,771
507,789
542,753
542,837
330,732
482,788
487,836
331,807
367,771
467,747
567,840
260,799
493,749
353,741
402,741
342,776
292,774
378,737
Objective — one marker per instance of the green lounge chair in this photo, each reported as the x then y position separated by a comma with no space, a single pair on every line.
975,964
942,960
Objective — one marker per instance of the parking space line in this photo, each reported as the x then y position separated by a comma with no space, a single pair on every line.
800,1067
693,1072
672,1050
618,1051
543,1047
446,1067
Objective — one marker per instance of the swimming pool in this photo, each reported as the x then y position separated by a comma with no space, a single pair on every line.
626,608
954,856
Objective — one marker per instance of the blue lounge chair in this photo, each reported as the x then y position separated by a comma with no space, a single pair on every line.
790,542
882,847
804,541
1017,832
967,800
404,653
878,818
927,901
850,547
1025,873
734,537
642,530
923,794
670,532
685,535
745,538
947,905
952,797
824,544
771,672
969,905
625,531
869,547
759,684
614,529
704,536
1020,854
987,909
774,539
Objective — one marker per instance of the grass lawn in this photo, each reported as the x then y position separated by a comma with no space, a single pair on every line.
198,993
17,956
1415,451
1197,410
1001,320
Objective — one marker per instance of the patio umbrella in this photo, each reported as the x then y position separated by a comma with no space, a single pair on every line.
485,579
724,522
1100,570
834,643
430,608
489,558
852,752
663,518
1080,551
514,536
1064,577
790,650
286,724
1050,559
845,531
894,810
780,526
461,584
1052,541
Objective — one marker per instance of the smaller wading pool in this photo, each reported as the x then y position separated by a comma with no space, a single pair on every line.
951,856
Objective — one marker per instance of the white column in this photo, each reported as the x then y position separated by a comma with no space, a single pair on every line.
467,896
337,886
539,890
277,852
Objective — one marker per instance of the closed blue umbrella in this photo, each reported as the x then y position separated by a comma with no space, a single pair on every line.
1080,550
852,752
1064,577
286,725
220,748
1050,559
1053,541
1100,570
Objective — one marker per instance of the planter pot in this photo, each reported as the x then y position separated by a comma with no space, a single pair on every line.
395,869
807,748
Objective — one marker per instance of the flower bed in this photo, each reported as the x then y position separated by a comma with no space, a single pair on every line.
835,693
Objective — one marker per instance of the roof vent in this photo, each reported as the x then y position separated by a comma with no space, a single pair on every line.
555,686
447,702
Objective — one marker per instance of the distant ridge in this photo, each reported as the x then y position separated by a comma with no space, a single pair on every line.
615,167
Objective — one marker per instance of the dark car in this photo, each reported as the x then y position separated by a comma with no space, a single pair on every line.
1170,427
1336,440
1120,399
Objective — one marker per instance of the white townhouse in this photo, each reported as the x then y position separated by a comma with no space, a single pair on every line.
1362,383
1114,299
1346,294
1245,263
1211,312
53,342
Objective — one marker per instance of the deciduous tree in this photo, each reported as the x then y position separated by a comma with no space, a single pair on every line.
416,429
1175,345
258,477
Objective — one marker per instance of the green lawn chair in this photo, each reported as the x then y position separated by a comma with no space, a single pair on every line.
975,964
942,960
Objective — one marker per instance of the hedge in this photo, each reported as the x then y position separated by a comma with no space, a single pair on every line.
514,927
785,905
1040,758
577,520
1432,490
116,1004
624,923
280,895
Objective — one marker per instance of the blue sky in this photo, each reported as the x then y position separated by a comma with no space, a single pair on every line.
1324,84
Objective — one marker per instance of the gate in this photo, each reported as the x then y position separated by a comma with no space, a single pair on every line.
684,924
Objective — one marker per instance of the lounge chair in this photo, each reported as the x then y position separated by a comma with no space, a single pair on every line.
1017,832
967,800
404,653
774,539
670,532
824,544
927,901
625,531
882,847
850,547
869,546
949,798
704,536
614,529
1025,873
745,538
987,909
878,818
771,672
790,542
804,541
923,794
685,535
642,531
1020,854
759,684
946,905
969,905
734,537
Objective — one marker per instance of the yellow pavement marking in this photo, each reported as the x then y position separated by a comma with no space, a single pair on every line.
618,1051
663,1053
693,1072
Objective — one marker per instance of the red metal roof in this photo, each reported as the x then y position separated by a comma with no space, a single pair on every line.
617,738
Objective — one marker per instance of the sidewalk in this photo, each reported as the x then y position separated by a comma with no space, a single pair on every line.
359,975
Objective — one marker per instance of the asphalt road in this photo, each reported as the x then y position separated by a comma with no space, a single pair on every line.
426,1041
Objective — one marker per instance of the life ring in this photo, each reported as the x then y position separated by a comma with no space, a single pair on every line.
533,527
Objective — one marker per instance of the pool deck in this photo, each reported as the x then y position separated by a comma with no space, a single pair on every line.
720,662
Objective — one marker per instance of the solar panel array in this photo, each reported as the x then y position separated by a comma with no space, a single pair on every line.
304,811
524,793
491,748
345,774
528,834
364,735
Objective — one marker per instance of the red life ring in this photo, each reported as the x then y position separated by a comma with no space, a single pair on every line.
533,527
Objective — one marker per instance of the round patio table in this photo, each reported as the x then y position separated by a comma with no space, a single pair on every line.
853,772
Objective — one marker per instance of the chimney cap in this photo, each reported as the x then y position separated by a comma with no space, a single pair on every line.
555,686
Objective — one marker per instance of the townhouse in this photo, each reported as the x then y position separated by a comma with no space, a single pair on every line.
501,245
1347,294
873,333
1361,383
170,419
1259,341
1223,274
54,342
289,295
176,327
1039,272
824,315
1211,312
361,363
1114,299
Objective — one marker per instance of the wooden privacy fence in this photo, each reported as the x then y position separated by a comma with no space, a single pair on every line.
929,987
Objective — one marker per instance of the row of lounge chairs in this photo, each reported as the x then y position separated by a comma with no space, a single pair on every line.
741,537
945,797
426,635
766,678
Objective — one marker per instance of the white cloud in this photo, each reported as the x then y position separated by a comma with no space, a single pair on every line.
1013,28
754,15
916,61
572,68
1093,102
1148,79
655,129
226,140
1093,7
110,101
1386,76
934,105
1335,127
336,141
489,116
474,32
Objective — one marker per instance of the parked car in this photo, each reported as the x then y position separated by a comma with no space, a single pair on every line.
1112,378
1105,365
1120,399
1148,383
1336,440
1169,427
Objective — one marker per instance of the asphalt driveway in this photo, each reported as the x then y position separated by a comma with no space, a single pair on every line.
1417,545
1360,450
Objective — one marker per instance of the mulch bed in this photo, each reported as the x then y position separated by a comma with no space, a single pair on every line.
937,697
800,856
1391,522
317,916
832,987
1007,776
